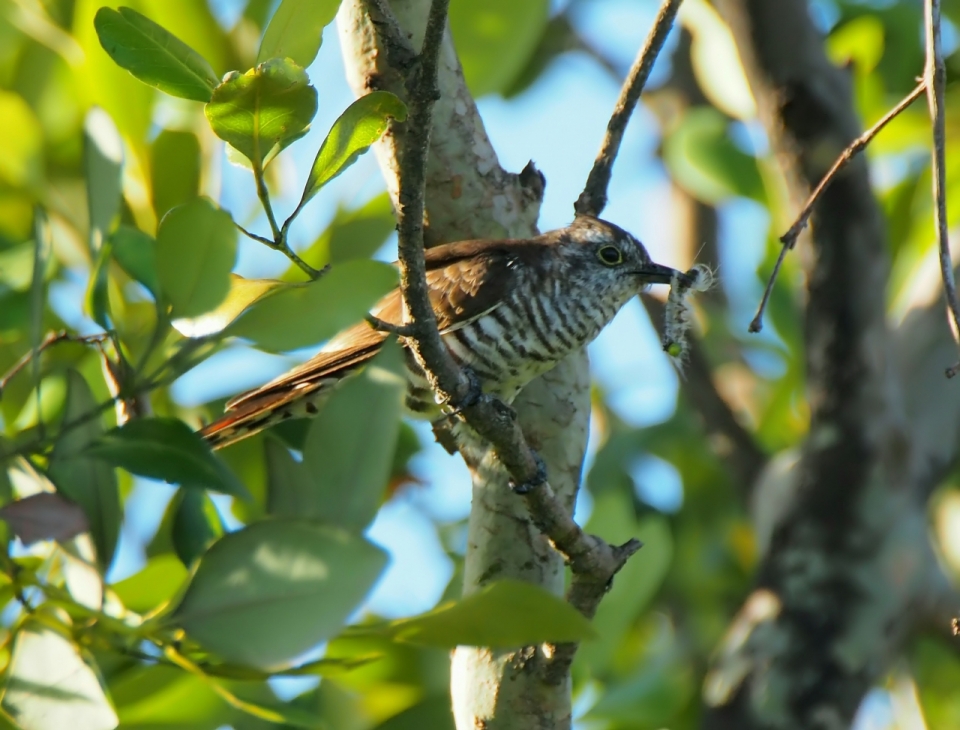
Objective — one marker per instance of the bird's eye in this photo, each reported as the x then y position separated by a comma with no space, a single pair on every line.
610,255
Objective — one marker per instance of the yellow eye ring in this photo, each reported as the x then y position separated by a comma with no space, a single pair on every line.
610,255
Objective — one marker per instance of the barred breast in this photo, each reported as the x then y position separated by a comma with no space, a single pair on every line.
520,339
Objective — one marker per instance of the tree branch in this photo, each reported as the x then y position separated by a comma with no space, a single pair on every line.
593,199
789,239
592,561
935,78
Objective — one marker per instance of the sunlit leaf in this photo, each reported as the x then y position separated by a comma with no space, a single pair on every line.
196,249
350,444
495,39
716,62
296,30
433,713
506,613
166,448
308,314
136,252
243,294
50,687
21,163
174,169
89,482
357,128
155,696
352,234
153,55
102,165
282,585
262,111
703,159
158,582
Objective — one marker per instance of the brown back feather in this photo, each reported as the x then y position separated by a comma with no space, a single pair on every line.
466,280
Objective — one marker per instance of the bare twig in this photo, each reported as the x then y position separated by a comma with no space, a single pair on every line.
592,561
593,199
401,330
51,339
934,78
789,239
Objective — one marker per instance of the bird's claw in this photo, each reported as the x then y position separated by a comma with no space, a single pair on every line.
540,477
473,395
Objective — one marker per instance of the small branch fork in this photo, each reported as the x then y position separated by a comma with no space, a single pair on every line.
789,239
53,338
592,561
932,83
593,199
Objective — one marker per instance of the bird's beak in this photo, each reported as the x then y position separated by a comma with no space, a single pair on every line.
658,274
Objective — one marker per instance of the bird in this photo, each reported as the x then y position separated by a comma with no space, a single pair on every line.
508,310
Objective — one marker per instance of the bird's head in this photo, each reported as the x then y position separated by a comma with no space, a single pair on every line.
610,256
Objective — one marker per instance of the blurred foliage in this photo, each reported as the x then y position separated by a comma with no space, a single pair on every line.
107,200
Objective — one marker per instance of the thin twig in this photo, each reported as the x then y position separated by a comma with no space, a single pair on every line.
593,199
789,239
592,561
935,77
401,330
283,248
51,339
148,384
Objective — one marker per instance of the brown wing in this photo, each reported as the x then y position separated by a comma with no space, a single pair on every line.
466,279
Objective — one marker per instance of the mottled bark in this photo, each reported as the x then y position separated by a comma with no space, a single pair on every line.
470,196
848,564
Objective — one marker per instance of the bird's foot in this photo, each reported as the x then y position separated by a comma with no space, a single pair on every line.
473,395
540,477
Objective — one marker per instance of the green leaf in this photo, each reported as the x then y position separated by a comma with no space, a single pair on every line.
290,490
21,164
263,111
88,482
153,55
362,124
703,160
196,249
506,613
42,250
136,253
433,713
166,449
163,697
284,586
495,39
157,583
174,169
97,299
102,166
243,293
308,314
50,687
196,524
350,444
352,234
296,30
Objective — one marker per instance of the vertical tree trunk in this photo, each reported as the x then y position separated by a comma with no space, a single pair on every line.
470,196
